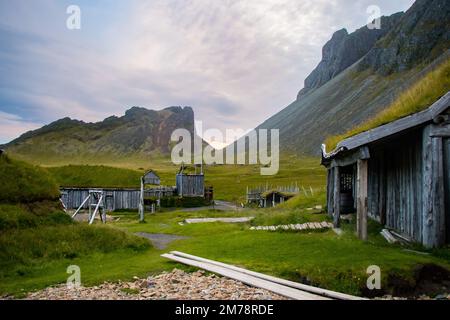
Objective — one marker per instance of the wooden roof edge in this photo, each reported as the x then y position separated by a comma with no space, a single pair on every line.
150,171
389,129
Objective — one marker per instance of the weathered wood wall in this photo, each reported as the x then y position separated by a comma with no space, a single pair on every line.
115,199
190,185
447,185
395,184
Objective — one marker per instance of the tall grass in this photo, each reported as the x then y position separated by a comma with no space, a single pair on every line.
417,98
22,182
95,176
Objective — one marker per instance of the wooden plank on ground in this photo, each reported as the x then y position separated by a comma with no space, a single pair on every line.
248,279
296,285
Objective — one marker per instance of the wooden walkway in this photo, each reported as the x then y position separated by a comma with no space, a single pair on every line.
286,288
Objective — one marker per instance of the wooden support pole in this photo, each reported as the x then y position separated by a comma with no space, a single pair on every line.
81,206
433,219
96,210
361,209
141,201
337,197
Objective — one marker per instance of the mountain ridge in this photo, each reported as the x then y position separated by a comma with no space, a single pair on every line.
416,41
139,131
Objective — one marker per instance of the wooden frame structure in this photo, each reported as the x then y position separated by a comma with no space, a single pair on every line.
96,201
150,177
401,175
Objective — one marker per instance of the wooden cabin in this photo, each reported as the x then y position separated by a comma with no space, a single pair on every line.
397,174
115,198
273,198
190,185
151,178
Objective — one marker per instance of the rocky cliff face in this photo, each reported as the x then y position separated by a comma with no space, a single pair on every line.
361,73
139,132
420,36
345,49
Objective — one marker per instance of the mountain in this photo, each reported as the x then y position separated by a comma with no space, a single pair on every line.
361,74
140,132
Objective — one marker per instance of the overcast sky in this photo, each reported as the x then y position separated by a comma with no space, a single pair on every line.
235,62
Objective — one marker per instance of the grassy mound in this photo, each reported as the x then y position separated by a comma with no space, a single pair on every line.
22,182
35,234
417,98
34,231
95,176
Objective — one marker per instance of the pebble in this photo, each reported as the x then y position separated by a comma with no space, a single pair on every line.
174,285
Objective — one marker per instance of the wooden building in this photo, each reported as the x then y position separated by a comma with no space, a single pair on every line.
151,178
397,174
115,198
269,196
190,185
273,198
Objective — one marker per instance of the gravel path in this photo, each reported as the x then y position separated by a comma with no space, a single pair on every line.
175,285
160,240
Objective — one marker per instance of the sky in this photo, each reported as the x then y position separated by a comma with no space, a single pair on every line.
236,63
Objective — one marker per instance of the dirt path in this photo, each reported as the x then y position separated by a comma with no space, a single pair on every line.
160,240
218,205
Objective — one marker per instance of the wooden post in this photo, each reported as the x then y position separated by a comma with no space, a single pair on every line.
141,201
361,224
433,210
337,197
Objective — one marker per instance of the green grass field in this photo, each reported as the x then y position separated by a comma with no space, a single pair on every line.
229,181
38,242
320,258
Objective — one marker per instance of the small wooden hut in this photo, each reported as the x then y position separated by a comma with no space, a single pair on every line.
190,185
151,178
397,174
272,198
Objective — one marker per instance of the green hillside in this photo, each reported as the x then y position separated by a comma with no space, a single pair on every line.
417,98
22,182
36,233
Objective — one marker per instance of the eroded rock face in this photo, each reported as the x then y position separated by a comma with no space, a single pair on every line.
140,131
422,34
345,49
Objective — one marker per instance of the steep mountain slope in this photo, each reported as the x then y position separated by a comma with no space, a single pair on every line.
140,132
337,97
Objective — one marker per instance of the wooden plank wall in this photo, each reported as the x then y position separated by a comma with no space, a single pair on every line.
395,185
191,185
446,143
115,199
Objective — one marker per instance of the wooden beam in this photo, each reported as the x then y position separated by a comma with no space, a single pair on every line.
337,197
362,202
248,279
141,201
292,284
